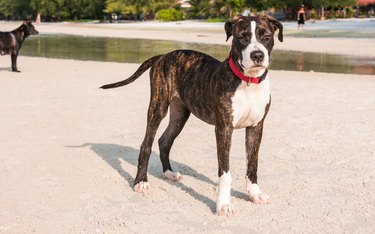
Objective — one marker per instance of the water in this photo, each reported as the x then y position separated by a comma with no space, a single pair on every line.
138,50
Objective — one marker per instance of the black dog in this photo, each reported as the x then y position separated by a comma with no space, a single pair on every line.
11,42
231,94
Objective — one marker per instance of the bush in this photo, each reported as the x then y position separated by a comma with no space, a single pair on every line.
169,15
217,19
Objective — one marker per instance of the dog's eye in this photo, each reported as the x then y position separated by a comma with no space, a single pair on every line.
267,37
244,37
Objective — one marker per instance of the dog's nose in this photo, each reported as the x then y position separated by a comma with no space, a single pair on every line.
257,56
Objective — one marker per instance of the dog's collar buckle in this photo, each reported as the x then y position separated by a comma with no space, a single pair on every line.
247,79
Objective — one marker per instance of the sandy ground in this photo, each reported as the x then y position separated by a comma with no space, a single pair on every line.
69,154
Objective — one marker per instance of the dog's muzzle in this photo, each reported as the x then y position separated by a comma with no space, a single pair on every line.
257,56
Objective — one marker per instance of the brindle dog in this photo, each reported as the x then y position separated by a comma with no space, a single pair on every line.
11,42
231,94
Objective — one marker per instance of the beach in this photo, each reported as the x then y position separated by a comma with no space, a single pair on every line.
69,150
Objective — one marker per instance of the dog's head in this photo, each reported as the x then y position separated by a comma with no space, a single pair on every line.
28,28
253,40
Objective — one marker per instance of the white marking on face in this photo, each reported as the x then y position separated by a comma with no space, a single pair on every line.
247,62
249,103
225,182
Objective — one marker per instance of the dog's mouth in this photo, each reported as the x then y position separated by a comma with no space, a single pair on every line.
255,70
257,67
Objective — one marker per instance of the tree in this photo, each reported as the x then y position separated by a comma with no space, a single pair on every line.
15,9
199,9
68,9
219,8
141,9
257,5
235,7
331,4
293,5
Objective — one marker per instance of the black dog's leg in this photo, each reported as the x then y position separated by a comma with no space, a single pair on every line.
179,114
253,140
14,62
156,112
223,142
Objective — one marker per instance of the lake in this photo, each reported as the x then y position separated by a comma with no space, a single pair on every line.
137,50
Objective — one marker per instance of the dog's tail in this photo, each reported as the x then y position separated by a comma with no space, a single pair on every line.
145,65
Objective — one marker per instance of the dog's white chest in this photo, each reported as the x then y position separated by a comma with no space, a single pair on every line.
249,103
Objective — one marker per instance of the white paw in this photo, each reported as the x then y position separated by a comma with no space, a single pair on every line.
224,210
141,186
172,176
255,194
260,198
223,205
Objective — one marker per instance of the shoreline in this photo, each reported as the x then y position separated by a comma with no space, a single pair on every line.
196,32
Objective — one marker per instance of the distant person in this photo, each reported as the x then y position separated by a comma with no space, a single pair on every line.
301,17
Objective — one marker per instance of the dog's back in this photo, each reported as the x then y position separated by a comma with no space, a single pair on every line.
189,61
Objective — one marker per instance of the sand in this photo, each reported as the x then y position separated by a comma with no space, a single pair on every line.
69,154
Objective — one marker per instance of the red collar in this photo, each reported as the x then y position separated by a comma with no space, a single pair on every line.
247,79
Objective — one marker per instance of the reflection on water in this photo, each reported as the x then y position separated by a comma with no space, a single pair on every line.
138,50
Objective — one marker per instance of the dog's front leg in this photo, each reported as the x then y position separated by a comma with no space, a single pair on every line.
253,140
223,142
14,62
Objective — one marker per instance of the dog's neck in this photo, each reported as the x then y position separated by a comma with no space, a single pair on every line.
247,79
19,34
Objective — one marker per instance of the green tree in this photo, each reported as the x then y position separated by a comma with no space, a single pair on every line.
294,5
141,9
46,8
15,9
68,9
256,5
323,5
219,9
199,9
235,6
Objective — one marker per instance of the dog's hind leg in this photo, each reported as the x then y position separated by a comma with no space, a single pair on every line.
155,115
179,114
157,111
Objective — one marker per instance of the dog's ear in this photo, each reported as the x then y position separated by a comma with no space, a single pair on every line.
229,25
27,21
228,29
276,26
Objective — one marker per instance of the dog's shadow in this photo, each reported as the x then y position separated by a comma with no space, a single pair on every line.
5,69
113,154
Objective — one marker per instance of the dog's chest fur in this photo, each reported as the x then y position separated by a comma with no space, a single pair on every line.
249,103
